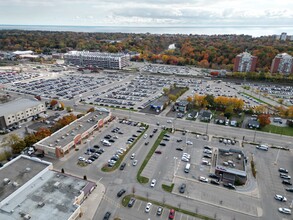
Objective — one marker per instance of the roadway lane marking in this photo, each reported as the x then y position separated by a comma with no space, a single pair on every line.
180,216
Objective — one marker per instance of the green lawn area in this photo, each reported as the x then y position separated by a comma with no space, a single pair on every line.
278,130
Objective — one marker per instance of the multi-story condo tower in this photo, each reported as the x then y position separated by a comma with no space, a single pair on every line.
282,63
245,62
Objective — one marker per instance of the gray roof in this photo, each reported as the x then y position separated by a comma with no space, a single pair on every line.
17,105
20,170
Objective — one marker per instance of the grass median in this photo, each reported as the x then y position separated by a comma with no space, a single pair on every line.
142,179
106,168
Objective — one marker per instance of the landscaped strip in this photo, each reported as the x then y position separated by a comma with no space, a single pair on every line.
278,130
106,168
257,99
168,188
142,179
126,199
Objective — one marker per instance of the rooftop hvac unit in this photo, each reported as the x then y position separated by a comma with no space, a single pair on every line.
15,184
57,185
28,169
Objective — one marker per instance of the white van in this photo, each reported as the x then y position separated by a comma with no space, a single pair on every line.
262,147
106,143
187,168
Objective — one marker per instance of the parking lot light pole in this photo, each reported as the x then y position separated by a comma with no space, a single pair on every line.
291,205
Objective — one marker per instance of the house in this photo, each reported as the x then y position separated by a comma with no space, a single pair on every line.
181,106
253,124
193,114
206,115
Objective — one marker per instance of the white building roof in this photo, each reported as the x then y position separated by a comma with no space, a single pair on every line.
17,105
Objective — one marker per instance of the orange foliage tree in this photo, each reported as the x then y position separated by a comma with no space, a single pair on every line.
264,119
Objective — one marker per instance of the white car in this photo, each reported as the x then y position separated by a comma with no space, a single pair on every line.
285,211
132,156
145,136
186,155
207,151
81,159
153,183
134,163
280,198
189,143
203,179
148,207
169,121
185,159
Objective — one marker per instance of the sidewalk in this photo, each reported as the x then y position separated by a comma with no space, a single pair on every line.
91,204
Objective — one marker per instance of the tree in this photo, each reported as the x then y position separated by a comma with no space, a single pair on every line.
264,119
172,97
92,109
166,91
62,106
189,99
53,102
210,100
11,139
229,111
18,146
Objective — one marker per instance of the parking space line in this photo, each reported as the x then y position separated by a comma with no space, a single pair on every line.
139,205
181,216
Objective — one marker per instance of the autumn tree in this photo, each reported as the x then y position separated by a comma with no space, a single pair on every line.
92,109
189,99
17,147
53,102
264,119
172,97
166,91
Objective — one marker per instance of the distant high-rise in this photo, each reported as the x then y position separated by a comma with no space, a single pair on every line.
245,62
282,63
283,36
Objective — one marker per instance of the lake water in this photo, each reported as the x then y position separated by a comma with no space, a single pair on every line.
255,31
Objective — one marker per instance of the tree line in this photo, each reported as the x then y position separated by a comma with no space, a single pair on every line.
214,51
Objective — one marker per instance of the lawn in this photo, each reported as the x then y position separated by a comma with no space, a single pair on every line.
278,130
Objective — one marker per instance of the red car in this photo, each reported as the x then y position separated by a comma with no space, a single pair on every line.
172,214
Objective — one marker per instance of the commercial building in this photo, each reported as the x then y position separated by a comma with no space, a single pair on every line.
245,62
283,36
282,63
69,137
231,165
19,110
31,189
101,60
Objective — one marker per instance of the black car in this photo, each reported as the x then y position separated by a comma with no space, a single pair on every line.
111,140
208,147
96,146
289,189
151,135
207,156
179,149
166,139
107,216
282,170
286,182
215,182
214,176
131,202
182,188
146,143
163,144
108,136
92,150
121,192
134,135
179,140
139,131
166,135
229,185
122,166
155,130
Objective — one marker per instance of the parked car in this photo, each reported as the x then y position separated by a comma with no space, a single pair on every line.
214,176
283,170
285,176
286,182
182,188
132,156
262,147
215,182
163,144
280,198
289,189
179,140
206,151
159,211
208,147
131,202
121,192
229,185
189,143
207,156
179,148
153,183
146,143
158,152
148,207
285,211
203,179
171,214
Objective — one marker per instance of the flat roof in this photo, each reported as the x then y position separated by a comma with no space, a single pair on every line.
236,164
55,191
17,105
65,135
19,170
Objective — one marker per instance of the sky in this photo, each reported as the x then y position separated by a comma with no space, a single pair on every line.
146,12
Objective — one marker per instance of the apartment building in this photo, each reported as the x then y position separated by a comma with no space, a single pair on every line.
282,63
245,62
